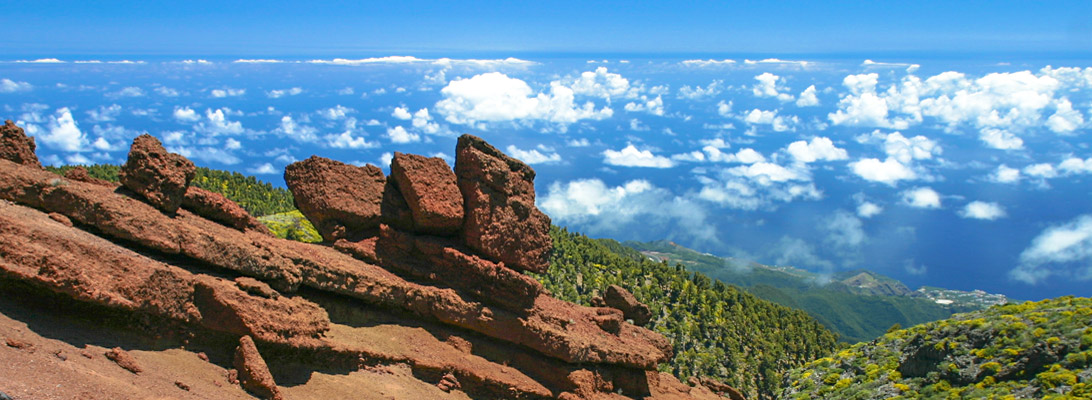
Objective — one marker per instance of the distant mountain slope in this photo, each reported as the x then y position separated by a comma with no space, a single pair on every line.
858,305
718,330
1030,350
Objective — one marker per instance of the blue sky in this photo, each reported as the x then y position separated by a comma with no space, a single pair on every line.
342,27
944,145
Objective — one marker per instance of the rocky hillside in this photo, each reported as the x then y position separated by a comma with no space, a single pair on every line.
155,288
1033,350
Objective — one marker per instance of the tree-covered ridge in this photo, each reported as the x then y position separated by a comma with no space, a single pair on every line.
718,330
256,197
1030,350
856,315
291,225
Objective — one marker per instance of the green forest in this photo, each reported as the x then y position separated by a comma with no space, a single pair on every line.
1038,350
855,316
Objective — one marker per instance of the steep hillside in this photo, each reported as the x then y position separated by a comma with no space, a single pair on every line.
857,305
718,330
1031,350
415,277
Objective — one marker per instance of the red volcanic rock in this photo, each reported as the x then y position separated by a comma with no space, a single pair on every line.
218,208
81,174
395,212
123,359
431,192
620,298
160,177
253,372
342,200
502,221
441,261
227,308
16,147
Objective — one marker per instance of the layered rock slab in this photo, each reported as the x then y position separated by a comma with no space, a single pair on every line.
156,175
218,208
502,221
341,200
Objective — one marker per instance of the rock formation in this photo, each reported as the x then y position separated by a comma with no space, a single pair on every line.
158,176
502,221
445,300
16,147
620,298
340,199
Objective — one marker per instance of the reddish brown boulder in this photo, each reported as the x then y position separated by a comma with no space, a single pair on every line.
342,200
227,308
502,221
620,298
431,192
253,372
123,359
719,388
81,174
218,208
160,177
395,212
15,146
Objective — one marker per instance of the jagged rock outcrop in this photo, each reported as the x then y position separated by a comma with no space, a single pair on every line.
218,208
620,298
461,320
341,200
158,176
254,374
16,147
430,190
502,221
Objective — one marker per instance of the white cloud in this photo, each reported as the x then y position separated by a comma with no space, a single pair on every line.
401,113
257,61
534,156
777,122
1004,174
708,63
653,106
602,209
232,144
423,121
42,61
264,169
808,98
630,156
166,91
844,230
10,86
982,210
582,142
698,92
712,153
61,132
767,87
346,140
603,84
186,114
336,113
278,93
217,123
494,97
1065,119
399,134
227,92
889,171
868,209
1041,170
1075,165
819,149
1001,139
921,197
104,113
1063,250
131,91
